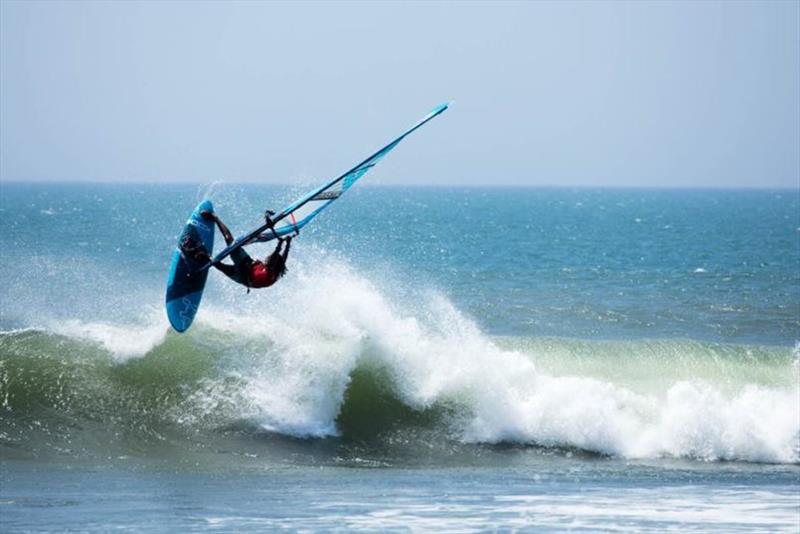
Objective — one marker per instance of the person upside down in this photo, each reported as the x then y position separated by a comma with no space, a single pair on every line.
247,271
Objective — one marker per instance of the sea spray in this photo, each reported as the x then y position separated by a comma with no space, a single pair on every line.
289,367
122,341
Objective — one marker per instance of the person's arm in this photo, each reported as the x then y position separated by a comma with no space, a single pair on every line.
226,233
286,250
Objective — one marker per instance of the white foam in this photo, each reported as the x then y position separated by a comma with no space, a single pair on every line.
324,320
123,341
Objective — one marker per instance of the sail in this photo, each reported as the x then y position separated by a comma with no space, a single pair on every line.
300,212
298,215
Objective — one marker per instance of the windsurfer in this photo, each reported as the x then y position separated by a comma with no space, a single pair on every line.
247,271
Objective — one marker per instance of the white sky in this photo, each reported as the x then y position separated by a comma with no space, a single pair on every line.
601,94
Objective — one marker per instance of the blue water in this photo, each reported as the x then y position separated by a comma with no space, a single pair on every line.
708,265
478,357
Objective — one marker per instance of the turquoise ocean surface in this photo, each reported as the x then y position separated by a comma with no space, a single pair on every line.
435,359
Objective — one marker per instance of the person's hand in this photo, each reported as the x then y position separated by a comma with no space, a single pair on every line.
207,215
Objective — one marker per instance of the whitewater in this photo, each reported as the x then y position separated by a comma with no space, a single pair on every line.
289,371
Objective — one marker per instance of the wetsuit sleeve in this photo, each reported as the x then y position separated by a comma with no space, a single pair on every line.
226,233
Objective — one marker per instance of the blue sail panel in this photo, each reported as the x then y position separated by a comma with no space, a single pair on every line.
300,212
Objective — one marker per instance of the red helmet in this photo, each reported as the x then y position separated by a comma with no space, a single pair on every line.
260,276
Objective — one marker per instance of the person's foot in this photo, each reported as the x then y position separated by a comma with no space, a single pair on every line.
192,249
199,255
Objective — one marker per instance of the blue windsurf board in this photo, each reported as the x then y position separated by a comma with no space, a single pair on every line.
187,278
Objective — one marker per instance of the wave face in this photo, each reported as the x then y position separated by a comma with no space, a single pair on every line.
330,356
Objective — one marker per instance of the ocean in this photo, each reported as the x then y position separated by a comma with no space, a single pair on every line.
436,359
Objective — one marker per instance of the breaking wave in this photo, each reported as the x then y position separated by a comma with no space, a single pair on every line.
330,355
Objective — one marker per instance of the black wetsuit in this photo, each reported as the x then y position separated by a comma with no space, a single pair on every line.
240,270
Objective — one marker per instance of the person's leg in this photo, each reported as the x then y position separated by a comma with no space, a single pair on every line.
231,271
243,263
239,272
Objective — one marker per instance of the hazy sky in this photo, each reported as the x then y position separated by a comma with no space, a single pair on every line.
649,94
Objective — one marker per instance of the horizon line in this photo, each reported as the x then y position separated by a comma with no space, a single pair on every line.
412,185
